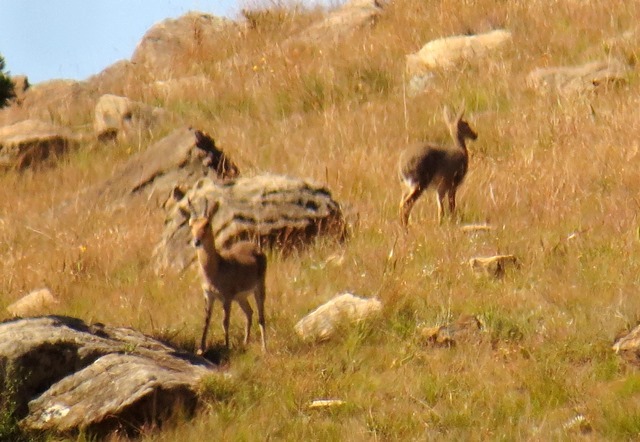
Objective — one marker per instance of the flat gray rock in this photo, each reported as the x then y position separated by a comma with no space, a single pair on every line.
63,374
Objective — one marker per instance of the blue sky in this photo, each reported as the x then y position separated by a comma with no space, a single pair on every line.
47,39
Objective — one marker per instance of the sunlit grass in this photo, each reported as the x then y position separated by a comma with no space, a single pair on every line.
554,175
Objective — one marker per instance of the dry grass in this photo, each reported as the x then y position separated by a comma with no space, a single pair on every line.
557,176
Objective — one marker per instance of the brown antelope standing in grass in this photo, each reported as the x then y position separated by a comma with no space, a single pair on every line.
427,164
229,275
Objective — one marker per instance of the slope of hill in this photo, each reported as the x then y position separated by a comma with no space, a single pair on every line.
329,98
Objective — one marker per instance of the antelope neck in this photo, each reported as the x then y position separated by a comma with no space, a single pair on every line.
207,254
460,141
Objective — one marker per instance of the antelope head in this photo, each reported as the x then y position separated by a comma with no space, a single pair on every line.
201,223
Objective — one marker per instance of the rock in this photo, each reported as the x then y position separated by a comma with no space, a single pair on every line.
629,341
578,424
20,86
579,79
120,117
179,159
477,228
176,88
448,335
54,100
494,266
64,375
322,323
627,345
31,142
37,302
421,83
325,403
175,40
343,21
119,78
277,211
450,52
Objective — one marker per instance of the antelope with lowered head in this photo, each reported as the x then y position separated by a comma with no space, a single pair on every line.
228,275
427,165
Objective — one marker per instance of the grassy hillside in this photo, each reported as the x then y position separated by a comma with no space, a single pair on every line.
557,175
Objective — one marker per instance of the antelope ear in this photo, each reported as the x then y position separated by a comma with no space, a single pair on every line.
210,211
192,209
446,113
461,111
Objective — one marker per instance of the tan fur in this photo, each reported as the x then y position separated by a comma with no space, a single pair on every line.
427,165
229,275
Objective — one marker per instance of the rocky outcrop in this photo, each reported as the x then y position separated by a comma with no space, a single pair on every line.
60,374
119,117
579,79
179,159
322,323
31,142
450,52
173,41
277,211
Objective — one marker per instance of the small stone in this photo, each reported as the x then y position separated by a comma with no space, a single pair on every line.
35,303
494,266
325,403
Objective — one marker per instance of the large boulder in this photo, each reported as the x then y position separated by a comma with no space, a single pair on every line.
579,79
179,159
123,118
60,374
173,41
277,211
451,52
31,142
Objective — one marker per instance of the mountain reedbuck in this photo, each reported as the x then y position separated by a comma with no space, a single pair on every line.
229,275
426,164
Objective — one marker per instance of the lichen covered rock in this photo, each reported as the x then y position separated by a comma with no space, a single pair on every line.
276,211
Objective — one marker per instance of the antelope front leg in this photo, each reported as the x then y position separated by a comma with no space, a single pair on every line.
208,306
452,202
439,199
225,321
